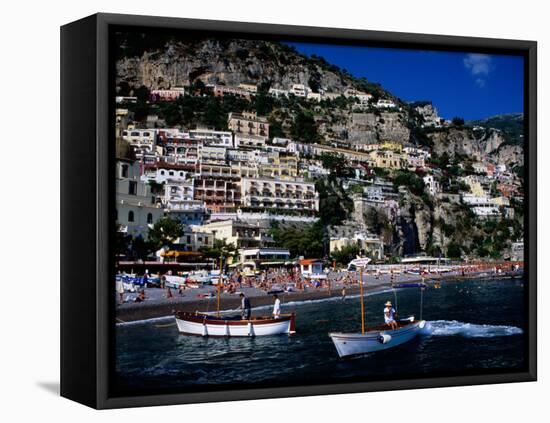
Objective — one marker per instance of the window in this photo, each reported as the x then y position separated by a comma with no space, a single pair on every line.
124,171
171,173
130,216
132,188
149,217
162,172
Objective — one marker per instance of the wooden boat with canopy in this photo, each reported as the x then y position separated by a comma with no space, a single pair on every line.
210,324
382,337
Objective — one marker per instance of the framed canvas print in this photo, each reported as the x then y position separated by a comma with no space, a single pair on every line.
257,211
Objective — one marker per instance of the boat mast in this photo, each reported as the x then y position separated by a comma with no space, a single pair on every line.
220,284
362,301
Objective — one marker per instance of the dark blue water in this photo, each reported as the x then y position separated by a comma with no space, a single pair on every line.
476,327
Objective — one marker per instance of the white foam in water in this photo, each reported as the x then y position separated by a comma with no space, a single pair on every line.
469,330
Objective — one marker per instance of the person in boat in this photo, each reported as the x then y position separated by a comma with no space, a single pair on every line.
245,307
390,315
276,307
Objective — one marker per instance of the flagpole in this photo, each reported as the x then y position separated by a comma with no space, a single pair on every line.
362,301
219,285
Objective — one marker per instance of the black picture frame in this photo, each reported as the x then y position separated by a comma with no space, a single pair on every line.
86,196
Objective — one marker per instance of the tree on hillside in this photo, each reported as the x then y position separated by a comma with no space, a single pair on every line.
345,254
220,249
304,128
458,121
336,164
164,232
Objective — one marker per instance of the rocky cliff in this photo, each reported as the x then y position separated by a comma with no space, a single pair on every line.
230,62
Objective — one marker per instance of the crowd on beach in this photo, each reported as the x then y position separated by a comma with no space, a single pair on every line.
285,280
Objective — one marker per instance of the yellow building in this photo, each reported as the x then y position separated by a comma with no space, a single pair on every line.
391,145
388,159
280,167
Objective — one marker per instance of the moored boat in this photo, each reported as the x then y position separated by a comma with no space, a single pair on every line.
203,324
375,339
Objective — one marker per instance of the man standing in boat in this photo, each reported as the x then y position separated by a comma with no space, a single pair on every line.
245,307
276,307
389,315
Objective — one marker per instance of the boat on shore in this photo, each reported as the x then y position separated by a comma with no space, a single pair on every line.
203,324
376,339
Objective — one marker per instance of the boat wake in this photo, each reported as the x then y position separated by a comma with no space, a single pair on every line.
468,330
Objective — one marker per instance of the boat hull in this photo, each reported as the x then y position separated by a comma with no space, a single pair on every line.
350,344
204,325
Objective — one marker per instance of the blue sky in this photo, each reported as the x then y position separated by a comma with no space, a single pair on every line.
472,86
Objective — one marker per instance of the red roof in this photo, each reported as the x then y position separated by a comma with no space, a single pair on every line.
310,261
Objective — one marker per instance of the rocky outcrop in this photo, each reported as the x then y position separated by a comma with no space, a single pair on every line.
476,144
229,62
368,128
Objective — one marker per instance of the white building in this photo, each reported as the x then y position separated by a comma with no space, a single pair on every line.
299,90
165,172
140,139
212,137
250,88
262,257
313,96
385,104
212,154
263,194
249,141
369,244
276,92
136,210
432,184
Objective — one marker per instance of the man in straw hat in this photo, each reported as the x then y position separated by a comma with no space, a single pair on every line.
389,315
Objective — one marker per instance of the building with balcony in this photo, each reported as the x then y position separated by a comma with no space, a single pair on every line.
212,154
218,187
369,244
249,141
212,137
171,94
277,92
388,159
263,257
248,123
140,139
239,233
136,208
223,90
250,88
261,193
280,166
299,90
162,172
385,104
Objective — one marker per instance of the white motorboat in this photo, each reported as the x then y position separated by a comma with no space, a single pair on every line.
379,338
203,324
375,339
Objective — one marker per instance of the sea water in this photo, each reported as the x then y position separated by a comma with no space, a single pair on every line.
473,327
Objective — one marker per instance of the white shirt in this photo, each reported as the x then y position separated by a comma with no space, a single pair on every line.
389,314
277,308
